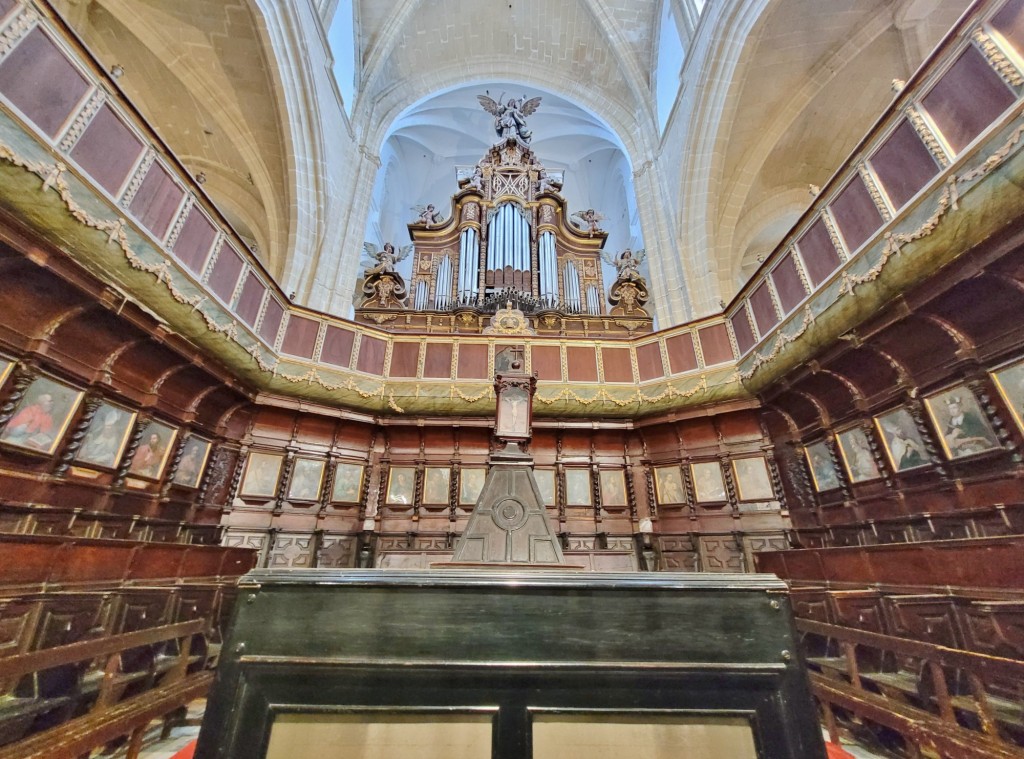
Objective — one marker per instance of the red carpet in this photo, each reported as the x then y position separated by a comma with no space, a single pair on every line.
833,751
186,753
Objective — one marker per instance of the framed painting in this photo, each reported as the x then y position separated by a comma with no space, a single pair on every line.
151,456
613,487
401,486
546,484
262,472
106,437
193,461
348,483
307,478
753,482
855,449
577,488
1010,383
471,482
708,484
42,416
435,485
820,461
668,482
962,426
901,440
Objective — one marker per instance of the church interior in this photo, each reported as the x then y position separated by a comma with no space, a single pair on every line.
737,285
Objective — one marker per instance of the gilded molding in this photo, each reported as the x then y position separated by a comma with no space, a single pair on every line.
1003,66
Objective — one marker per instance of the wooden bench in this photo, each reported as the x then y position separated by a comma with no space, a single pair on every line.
36,519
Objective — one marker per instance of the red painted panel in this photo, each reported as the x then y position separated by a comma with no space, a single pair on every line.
582,364
648,362
967,98
472,362
224,275
337,348
405,359
547,362
157,200
681,355
193,244
300,336
249,302
856,214
371,355
763,308
903,164
819,254
741,328
617,366
38,79
1009,22
273,313
787,283
715,345
437,362
107,150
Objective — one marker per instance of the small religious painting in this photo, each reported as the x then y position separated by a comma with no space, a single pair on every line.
193,461
348,483
577,488
963,428
514,413
669,484
1010,381
902,440
752,479
42,416
151,456
307,477
6,365
820,461
471,482
401,485
435,485
613,488
708,484
546,484
106,437
262,473
856,452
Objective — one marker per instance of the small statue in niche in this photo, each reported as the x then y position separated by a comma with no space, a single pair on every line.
628,293
591,220
428,215
510,116
383,286
627,264
383,261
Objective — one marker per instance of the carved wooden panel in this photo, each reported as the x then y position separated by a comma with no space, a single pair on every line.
292,550
678,553
338,551
720,554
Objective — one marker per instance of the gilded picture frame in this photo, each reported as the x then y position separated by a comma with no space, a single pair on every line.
962,427
471,483
42,416
262,474
436,486
753,481
668,485
613,488
545,479
307,479
401,486
348,482
1009,380
108,433
855,450
708,481
578,488
194,455
155,446
819,461
901,440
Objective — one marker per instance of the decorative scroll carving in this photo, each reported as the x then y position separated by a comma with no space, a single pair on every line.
508,321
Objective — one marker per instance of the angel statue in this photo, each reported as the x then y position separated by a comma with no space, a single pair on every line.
591,220
428,215
510,116
627,264
383,261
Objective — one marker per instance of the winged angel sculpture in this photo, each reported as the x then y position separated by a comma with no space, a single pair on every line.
510,116
627,264
383,261
590,220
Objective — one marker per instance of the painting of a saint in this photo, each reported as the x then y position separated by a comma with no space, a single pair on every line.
193,461
42,416
963,428
262,472
546,485
307,476
401,483
348,483
856,450
708,484
1010,381
106,437
514,413
577,487
151,455
669,485
752,479
471,482
821,467
613,488
902,440
435,485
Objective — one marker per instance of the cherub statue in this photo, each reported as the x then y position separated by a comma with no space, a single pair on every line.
627,264
510,116
475,182
548,183
383,261
428,215
591,220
